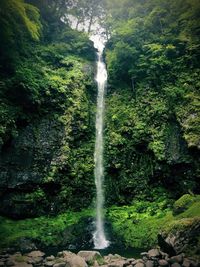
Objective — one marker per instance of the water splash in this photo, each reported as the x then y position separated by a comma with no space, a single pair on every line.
99,238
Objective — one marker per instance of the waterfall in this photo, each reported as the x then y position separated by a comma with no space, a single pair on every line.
99,237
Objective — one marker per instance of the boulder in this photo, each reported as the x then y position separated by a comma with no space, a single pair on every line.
10,262
49,263
176,259
117,263
50,258
166,246
175,265
60,264
139,264
153,253
163,263
186,263
73,260
36,253
149,263
91,256
137,261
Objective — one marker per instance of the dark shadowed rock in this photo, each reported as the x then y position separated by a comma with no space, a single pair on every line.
176,259
165,246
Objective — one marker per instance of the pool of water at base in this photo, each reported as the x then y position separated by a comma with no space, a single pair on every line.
124,252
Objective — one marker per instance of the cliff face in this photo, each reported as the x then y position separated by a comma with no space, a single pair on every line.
47,133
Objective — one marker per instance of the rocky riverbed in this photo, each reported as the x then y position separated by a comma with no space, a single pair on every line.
152,258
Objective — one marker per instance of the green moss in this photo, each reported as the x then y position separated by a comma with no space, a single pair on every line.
46,230
183,203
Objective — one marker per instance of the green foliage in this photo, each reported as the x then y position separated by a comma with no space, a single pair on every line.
20,23
138,225
45,230
152,119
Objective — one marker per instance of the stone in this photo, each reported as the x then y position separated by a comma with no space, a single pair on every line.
73,260
50,258
117,263
166,245
35,260
176,259
10,262
137,261
1,263
154,253
186,263
175,265
4,256
23,264
149,263
163,263
49,263
90,256
111,258
139,264
26,245
61,264
36,253
194,263
144,254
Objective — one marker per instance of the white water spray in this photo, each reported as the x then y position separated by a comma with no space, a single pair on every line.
99,238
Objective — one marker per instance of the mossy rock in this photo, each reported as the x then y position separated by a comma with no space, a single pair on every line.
183,203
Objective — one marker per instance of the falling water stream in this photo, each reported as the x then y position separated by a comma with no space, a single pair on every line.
99,238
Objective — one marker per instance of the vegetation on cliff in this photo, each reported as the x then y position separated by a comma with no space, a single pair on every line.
152,128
